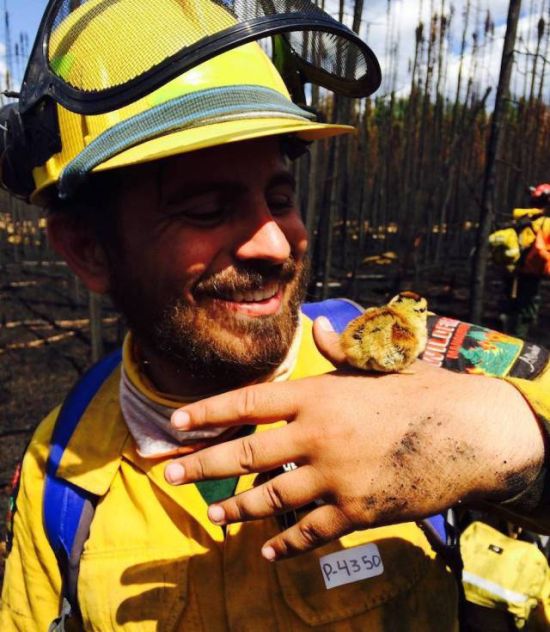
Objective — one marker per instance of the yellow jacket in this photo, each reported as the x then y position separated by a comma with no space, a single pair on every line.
508,244
527,234
153,561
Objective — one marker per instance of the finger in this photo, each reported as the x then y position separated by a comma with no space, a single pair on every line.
258,452
320,526
284,492
260,403
328,341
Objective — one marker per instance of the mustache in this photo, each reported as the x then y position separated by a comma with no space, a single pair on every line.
248,277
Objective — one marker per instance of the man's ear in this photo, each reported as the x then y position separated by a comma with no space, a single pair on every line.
77,243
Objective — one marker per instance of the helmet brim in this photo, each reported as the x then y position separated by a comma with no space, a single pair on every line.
202,137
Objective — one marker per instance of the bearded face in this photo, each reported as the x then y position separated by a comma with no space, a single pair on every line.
211,339
212,271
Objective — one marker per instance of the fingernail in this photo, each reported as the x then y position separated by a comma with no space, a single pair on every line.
180,419
216,514
174,473
325,324
269,553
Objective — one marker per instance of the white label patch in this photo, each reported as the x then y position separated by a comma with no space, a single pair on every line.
351,565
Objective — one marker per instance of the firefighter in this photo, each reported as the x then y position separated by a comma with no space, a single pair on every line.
159,135
523,252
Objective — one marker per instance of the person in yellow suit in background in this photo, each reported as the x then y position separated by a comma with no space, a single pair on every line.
523,250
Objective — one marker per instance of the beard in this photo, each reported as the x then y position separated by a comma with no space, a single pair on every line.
207,341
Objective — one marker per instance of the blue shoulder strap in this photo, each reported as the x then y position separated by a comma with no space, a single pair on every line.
68,509
65,504
340,311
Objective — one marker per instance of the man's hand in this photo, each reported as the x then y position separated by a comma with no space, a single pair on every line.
376,449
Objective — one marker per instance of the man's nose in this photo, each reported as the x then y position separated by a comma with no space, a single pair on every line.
264,239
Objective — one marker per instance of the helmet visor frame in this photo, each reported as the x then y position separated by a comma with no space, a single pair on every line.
41,81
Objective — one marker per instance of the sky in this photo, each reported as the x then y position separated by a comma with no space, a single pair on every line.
400,21
403,19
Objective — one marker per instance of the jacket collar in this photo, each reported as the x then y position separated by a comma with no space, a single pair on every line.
92,456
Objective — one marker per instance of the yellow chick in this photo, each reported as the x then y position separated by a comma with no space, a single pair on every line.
388,339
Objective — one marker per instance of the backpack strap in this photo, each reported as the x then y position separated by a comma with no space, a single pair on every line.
339,311
68,509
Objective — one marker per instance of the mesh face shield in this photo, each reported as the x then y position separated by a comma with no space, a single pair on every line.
160,39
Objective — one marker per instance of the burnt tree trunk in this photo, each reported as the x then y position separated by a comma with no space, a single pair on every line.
493,147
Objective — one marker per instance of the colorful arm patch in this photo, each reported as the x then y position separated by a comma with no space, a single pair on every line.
468,348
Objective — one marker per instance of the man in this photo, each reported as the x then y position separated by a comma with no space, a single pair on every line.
197,236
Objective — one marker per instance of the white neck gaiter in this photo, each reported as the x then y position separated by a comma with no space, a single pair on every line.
147,413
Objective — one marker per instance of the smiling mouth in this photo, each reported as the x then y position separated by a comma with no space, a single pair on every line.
269,291
266,301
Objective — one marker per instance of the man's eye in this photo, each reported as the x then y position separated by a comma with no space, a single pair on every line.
205,216
281,204
209,214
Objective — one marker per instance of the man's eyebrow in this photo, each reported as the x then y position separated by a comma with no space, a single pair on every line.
181,193
282,178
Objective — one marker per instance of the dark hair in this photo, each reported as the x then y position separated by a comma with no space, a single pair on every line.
93,205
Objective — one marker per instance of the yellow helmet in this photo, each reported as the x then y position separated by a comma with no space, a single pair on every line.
120,82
